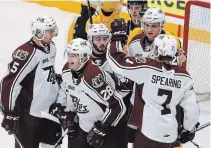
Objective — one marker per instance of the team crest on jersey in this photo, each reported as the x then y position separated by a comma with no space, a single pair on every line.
140,59
76,81
98,81
80,108
20,54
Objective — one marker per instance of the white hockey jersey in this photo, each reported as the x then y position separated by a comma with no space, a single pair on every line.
160,88
139,46
123,85
92,97
30,84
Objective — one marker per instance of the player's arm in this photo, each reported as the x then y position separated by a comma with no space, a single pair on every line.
23,62
64,108
127,66
63,97
190,107
191,114
105,94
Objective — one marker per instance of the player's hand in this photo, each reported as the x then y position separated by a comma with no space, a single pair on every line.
67,121
97,134
10,120
182,57
55,109
58,78
119,31
186,135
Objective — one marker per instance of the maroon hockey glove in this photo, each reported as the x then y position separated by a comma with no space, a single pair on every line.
97,134
67,121
10,120
119,31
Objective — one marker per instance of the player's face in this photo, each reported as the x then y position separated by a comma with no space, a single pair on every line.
100,42
73,61
49,34
135,10
152,30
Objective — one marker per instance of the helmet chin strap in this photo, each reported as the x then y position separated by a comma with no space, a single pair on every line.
39,41
82,64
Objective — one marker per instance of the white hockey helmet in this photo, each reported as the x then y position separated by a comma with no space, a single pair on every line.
97,30
154,15
164,46
43,24
81,47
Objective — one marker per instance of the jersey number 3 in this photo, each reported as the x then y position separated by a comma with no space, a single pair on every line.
166,107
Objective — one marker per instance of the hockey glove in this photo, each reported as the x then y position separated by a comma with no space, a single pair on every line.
97,134
67,121
55,109
59,79
119,31
186,135
10,120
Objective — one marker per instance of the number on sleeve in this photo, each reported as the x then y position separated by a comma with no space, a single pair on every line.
107,93
14,67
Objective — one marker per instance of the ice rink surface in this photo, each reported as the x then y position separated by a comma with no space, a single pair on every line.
15,21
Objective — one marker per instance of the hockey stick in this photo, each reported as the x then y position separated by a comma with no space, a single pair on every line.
198,129
53,118
195,130
16,138
18,141
62,136
194,143
89,12
201,127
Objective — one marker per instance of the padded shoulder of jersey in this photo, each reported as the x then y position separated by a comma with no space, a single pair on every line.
91,71
133,33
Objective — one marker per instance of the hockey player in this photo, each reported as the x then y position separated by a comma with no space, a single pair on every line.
153,23
136,10
109,10
93,97
160,87
99,37
30,87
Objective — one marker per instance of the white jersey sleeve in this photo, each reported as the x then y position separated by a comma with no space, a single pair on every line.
190,107
63,97
159,89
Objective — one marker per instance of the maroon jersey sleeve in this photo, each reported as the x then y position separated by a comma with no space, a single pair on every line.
23,61
104,93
